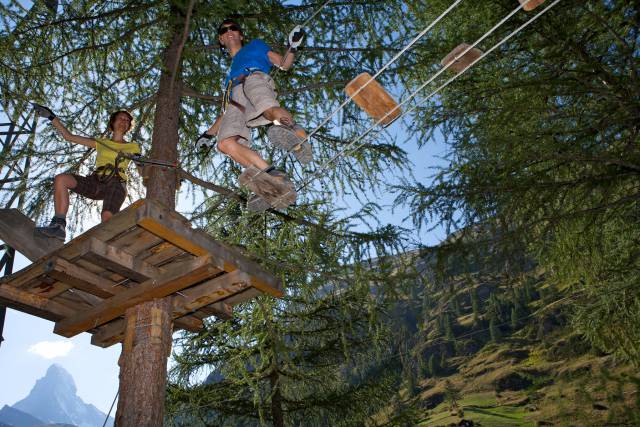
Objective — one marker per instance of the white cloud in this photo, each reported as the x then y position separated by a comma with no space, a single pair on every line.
51,349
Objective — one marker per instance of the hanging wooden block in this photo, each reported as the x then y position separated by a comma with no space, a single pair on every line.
530,4
462,62
373,99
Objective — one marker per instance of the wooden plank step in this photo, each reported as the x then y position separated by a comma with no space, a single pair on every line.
16,230
529,5
373,99
460,63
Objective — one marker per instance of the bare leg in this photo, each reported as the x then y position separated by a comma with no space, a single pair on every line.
279,114
285,118
61,185
106,215
240,153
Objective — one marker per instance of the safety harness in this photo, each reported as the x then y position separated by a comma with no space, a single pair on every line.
236,81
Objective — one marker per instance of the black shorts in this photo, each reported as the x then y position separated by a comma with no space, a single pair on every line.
112,192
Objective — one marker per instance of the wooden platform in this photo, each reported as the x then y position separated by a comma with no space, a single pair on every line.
144,252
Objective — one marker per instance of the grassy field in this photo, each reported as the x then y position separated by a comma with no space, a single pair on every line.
481,408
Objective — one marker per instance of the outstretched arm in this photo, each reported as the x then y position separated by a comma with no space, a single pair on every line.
45,112
277,59
68,136
295,40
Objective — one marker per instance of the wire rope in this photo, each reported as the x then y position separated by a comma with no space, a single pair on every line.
110,409
371,128
380,71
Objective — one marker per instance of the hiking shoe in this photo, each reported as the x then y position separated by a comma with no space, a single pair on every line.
292,139
273,186
54,229
257,204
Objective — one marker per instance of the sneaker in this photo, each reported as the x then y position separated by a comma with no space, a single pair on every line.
54,229
292,139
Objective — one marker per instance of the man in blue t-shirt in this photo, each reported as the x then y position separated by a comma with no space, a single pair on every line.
250,101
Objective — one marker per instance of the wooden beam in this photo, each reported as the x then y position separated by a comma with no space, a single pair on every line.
113,332
49,290
23,277
104,231
176,229
33,304
211,292
79,278
221,310
117,260
241,297
16,230
175,279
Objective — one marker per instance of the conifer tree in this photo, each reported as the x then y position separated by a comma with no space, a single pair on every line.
494,331
433,365
448,327
544,152
514,318
475,305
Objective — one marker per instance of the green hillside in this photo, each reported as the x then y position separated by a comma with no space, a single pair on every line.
499,350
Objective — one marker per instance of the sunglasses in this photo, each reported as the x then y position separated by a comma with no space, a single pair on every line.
223,30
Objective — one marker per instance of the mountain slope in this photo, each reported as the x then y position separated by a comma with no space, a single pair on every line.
17,418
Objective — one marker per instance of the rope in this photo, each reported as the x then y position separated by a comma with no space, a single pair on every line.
303,25
340,153
380,71
110,409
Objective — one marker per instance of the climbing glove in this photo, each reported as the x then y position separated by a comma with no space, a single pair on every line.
43,111
205,141
295,38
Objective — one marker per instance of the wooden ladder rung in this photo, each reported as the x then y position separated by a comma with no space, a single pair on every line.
461,63
529,5
373,99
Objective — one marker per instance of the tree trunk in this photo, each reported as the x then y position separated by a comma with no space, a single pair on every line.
276,399
143,364
148,332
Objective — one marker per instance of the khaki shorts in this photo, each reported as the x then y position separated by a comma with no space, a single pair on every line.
257,94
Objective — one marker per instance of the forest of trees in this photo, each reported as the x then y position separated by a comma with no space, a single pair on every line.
541,171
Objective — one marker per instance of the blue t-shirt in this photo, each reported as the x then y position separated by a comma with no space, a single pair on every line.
253,55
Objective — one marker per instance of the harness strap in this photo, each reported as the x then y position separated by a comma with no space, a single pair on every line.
236,81
108,171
